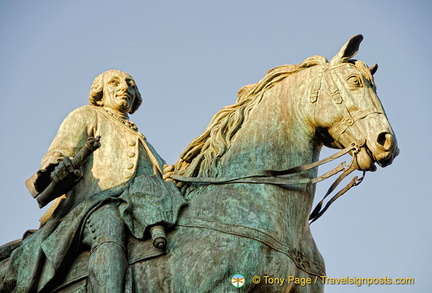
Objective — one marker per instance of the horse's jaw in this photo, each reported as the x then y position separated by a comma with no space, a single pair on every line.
364,161
381,151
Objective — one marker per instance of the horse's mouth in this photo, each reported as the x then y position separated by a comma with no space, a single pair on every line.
364,160
385,159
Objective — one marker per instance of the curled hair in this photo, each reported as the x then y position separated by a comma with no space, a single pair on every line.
96,91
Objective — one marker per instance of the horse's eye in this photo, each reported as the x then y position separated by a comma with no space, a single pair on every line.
354,80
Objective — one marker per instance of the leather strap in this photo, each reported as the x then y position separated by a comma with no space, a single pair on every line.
275,177
301,260
318,212
341,127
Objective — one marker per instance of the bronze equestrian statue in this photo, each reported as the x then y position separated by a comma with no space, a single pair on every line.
247,187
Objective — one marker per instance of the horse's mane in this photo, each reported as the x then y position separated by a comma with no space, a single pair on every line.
203,155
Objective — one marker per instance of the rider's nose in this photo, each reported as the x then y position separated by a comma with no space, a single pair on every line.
385,141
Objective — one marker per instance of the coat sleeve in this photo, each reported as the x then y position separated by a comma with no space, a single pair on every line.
71,136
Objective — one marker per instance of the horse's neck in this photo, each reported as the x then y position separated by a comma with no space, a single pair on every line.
275,136
278,136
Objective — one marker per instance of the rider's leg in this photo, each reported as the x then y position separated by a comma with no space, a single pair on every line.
104,233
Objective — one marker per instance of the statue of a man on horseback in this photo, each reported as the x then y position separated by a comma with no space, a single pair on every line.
116,191
249,179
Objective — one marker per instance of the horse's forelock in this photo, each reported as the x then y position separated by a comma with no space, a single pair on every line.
364,69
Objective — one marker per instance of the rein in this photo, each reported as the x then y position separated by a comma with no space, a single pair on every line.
276,177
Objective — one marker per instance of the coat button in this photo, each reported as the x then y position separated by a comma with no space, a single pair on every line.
132,143
130,166
131,154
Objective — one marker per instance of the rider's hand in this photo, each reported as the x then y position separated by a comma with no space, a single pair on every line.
65,170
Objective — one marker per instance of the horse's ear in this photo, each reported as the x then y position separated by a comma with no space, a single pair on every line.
348,50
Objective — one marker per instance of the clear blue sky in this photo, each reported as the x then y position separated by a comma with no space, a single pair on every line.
189,58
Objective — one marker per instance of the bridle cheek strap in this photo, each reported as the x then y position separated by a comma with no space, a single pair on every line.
346,123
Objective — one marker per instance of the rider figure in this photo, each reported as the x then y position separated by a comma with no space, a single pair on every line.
121,191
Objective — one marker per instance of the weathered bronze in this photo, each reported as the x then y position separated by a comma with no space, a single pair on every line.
113,191
57,185
249,180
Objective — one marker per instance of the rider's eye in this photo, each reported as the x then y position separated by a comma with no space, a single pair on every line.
114,82
354,80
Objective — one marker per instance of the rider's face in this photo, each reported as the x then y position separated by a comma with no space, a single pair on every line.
119,92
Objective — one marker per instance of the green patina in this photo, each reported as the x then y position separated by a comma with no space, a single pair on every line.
227,229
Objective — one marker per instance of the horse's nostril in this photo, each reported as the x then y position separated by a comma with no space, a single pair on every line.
385,140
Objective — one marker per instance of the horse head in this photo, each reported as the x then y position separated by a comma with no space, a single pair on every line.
347,109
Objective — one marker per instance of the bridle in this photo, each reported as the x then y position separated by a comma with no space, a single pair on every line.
352,117
280,177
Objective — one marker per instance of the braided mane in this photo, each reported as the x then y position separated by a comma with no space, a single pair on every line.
204,154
